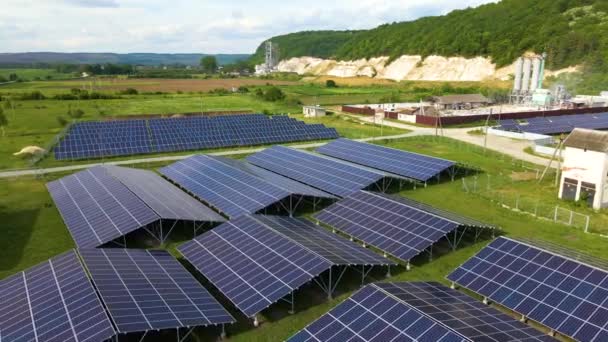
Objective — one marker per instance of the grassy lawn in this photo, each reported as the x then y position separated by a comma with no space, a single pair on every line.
37,232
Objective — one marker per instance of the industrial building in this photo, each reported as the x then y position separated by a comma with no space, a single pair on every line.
314,111
585,169
458,102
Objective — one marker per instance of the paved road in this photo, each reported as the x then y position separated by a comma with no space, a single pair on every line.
30,172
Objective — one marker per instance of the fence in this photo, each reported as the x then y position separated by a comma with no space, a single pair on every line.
48,147
482,186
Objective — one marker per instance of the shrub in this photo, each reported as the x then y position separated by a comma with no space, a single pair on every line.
62,121
331,84
128,91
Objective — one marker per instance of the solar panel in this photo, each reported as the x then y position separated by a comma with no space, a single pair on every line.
97,208
251,264
150,290
407,164
168,201
373,315
332,247
563,294
557,124
53,301
327,174
393,224
462,313
230,190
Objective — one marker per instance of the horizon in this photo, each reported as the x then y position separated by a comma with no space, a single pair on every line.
189,27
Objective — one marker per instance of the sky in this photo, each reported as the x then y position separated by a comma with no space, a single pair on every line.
191,26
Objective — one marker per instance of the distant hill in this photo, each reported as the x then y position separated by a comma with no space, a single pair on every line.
570,31
114,58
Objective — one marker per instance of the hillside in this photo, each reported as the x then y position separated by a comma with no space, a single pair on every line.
114,58
572,32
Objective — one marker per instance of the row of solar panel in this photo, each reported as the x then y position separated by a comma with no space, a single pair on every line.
556,124
115,138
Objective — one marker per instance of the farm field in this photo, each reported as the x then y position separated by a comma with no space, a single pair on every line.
28,214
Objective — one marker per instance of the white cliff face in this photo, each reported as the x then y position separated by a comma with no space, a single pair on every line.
411,68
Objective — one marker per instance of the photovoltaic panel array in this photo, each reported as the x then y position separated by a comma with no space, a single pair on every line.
407,164
393,224
556,124
565,295
53,301
140,136
462,313
97,208
330,175
150,290
336,249
251,264
371,314
229,189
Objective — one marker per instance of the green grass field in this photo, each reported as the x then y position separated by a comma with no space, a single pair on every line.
37,232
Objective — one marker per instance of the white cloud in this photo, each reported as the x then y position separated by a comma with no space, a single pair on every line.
190,25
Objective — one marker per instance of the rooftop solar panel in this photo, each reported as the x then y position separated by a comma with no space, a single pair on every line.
563,294
327,174
373,315
557,124
407,164
252,265
53,301
462,313
150,290
230,190
168,201
332,247
97,208
393,224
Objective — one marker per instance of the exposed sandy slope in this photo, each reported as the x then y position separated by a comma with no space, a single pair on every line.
414,68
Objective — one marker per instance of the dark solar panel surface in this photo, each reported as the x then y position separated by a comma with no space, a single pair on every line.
150,290
388,223
567,296
407,164
332,247
373,315
97,208
168,201
53,301
556,124
462,313
327,174
229,189
251,264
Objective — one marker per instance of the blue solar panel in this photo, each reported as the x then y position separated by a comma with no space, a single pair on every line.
128,137
168,201
150,290
557,124
330,175
53,301
371,314
462,313
229,189
97,208
393,224
332,247
251,264
565,295
407,164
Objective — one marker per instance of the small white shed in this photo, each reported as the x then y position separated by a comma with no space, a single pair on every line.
585,168
314,111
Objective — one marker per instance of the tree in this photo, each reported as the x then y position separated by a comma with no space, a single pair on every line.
62,121
3,121
331,84
209,64
13,77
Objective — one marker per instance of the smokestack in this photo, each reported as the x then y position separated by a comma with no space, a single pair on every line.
525,86
519,66
535,73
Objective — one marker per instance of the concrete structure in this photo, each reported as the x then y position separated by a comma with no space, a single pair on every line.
314,111
585,168
464,101
542,97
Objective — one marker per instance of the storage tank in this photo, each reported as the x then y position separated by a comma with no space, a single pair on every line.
535,74
519,66
525,86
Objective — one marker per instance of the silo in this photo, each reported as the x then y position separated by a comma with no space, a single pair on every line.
535,74
525,86
519,66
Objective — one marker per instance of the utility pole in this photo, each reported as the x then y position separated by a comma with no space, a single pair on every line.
485,140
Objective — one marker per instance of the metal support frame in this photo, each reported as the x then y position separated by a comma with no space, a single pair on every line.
189,331
291,301
331,285
143,336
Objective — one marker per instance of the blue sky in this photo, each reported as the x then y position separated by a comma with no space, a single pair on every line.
183,26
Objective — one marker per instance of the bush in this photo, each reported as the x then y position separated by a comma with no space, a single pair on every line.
35,95
331,84
243,90
219,91
76,113
128,91
62,121
272,94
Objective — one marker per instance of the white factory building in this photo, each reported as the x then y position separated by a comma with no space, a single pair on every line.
314,111
585,168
